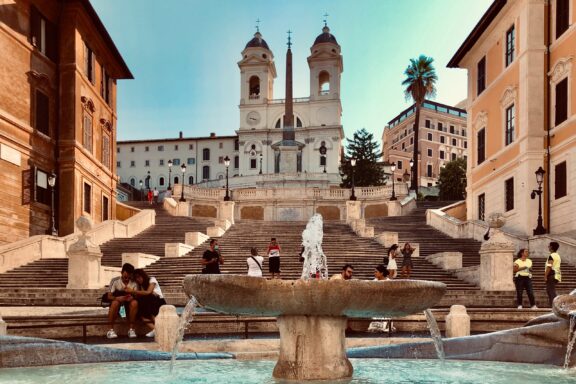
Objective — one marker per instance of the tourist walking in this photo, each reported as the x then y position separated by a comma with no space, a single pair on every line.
149,297
274,258
552,275
390,259
254,263
150,196
523,278
212,259
407,264
346,274
156,195
121,301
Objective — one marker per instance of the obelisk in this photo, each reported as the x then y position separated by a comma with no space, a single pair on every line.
288,147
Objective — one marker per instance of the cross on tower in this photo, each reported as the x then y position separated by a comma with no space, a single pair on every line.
325,19
289,42
258,25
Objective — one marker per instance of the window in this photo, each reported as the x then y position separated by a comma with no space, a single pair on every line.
87,130
105,208
254,87
176,180
322,161
561,112
481,206
161,162
220,159
510,124
220,145
161,181
429,152
160,148
43,35
191,161
510,40
427,123
176,147
206,154
453,156
236,145
323,83
206,172
454,142
89,61
481,79
452,129
440,127
190,180
133,182
411,140
175,161
443,139
399,164
131,149
146,148
236,162
117,149
106,151
118,164
42,113
132,163
105,85
429,136
190,146
146,163
481,154
42,193
463,132
252,163
562,16
298,122
509,194
403,146
429,170
442,155
560,180
87,198
465,144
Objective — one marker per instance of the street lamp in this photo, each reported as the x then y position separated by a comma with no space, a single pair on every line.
260,164
141,192
539,230
322,150
227,164
169,173
183,169
353,164
411,171
52,184
393,168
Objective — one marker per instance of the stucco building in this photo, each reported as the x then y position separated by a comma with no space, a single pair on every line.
58,77
521,113
442,138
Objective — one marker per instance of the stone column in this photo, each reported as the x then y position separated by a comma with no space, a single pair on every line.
312,348
226,211
166,325
497,258
353,211
457,322
84,259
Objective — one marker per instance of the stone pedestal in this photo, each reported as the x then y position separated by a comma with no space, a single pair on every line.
496,263
84,259
3,327
394,208
166,326
457,322
288,159
226,211
312,348
387,239
353,211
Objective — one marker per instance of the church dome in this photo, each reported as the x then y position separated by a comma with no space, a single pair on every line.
325,37
257,42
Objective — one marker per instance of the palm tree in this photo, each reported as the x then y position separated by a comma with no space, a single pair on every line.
420,84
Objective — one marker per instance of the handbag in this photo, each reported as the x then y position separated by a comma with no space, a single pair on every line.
257,263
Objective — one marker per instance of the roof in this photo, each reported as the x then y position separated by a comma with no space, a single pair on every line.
257,42
165,140
325,37
427,104
476,33
107,39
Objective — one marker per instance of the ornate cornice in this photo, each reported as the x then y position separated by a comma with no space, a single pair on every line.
481,120
508,96
560,69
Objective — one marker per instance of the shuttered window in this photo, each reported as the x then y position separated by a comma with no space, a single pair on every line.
481,150
562,16
561,113
481,206
509,194
481,79
560,180
42,113
510,122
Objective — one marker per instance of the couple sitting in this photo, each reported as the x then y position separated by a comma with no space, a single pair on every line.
137,294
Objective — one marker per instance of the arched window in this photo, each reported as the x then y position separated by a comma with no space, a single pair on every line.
254,87
133,182
161,181
324,83
190,180
280,123
298,123
220,177
206,172
206,154
176,179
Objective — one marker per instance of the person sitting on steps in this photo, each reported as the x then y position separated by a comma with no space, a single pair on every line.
120,299
149,298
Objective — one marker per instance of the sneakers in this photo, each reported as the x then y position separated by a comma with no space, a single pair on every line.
519,307
111,334
132,333
152,333
533,307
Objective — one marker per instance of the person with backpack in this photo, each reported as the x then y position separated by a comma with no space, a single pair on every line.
254,262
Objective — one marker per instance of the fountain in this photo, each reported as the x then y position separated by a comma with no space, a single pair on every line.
312,313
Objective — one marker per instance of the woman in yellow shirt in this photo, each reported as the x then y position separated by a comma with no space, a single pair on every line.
523,278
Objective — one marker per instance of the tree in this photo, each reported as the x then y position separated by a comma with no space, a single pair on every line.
420,84
452,180
366,151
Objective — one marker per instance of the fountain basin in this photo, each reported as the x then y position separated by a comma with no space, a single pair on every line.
312,314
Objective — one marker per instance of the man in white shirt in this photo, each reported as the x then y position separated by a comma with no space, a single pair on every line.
118,298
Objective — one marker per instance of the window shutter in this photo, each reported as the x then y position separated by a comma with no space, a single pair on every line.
560,189
561,102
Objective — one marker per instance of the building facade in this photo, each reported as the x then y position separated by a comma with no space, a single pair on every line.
442,139
521,113
58,79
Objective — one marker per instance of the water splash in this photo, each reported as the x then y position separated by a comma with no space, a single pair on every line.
435,333
571,338
185,319
315,266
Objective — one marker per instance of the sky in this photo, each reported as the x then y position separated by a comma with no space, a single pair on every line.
184,53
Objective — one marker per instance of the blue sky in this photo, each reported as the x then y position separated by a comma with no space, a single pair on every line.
183,55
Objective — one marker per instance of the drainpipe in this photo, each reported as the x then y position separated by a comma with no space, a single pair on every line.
547,115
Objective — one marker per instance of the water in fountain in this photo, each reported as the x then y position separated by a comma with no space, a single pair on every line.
435,333
571,338
185,319
315,265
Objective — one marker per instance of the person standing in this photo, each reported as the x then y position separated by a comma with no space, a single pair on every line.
156,194
254,263
150,196
392,266
523,278
274,258
212,259
407,263
552,275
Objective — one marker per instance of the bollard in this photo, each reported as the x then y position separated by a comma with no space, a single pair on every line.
166,326
457,322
